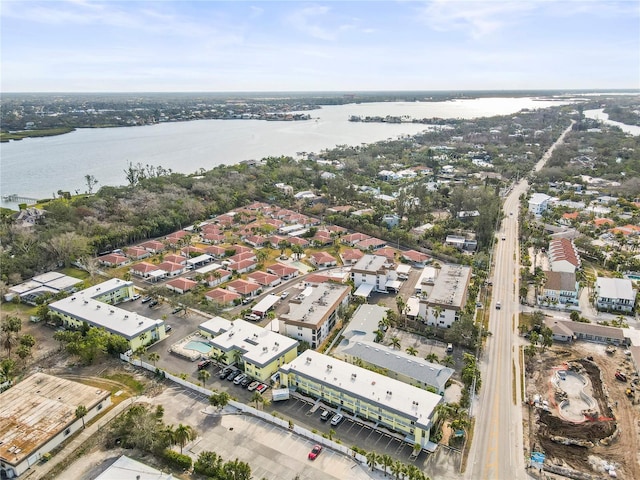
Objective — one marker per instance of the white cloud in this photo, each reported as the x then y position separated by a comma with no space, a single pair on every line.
478,19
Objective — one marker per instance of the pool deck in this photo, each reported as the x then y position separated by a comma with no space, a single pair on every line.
179,348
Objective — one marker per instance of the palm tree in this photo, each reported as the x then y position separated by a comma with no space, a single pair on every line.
448,361
153,357
257,398
183,434
372,459
387,462
7,369
203,376
332,432
395,342
10,327
81,411
219,357
219,399
396,469
432,357
411,351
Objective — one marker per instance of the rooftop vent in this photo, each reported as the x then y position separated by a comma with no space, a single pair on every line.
308,359
140,322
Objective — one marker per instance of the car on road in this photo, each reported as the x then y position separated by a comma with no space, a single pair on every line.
253,385
238,380
337,418
146,300
204,364
325,415
153,303
498,305
315,451
503,237
261,388
284,295
168,328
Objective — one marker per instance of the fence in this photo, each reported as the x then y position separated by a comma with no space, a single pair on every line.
314,437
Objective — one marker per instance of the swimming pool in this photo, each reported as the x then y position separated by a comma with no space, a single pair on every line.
198,346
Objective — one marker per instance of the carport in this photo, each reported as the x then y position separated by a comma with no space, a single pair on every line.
364,290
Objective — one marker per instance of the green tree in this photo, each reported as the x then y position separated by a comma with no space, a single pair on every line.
372,459
411,351
7,369
219,399
387,462
10,328
448,361
81,411
203,376
432,357
153,357
257,398
183,434
236,470
397,469
395,342
209,464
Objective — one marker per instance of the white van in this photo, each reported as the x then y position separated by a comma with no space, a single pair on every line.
449,347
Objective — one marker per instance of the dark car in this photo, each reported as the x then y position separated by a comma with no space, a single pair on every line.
233,375
225,371
176,310
168,328
153,303
204,364
246,382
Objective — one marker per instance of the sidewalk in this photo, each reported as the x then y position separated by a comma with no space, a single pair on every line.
41,470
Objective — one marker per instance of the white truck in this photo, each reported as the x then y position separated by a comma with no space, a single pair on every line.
280,394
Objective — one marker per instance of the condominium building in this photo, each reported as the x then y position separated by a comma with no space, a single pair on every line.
442,304
363,393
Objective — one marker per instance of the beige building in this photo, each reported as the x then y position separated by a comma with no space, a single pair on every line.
38,414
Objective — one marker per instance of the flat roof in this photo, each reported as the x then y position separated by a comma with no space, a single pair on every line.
205,257
400,362
215,326
48,277
316,303
369,263
373,388
266,303
82,306
364,322
364,290
63,282
450,287
209,268
621,288
38,408
127,468
258,345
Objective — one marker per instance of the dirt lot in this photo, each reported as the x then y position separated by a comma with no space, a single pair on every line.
611,437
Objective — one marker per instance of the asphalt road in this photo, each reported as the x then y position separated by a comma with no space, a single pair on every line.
497,449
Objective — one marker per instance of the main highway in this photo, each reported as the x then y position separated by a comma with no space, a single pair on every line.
497,450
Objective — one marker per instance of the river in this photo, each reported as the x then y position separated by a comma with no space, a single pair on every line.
39,167
598,114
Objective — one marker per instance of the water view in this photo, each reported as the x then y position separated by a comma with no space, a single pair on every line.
39,167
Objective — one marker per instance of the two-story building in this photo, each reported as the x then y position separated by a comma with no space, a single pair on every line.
258,351
538,203
615,295
363,393
96,306
560,288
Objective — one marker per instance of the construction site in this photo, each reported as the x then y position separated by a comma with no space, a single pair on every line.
582,411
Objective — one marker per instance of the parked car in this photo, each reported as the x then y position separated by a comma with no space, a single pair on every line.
239,378
261,388
498,305
315,451
253,385
225,372
204,364
153,303
252,317
233,375
325,415
135,297
284,295
168,328
246,382
176,310
621,376
146,300
337,418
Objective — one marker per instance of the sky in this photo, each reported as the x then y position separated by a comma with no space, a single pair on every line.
252,46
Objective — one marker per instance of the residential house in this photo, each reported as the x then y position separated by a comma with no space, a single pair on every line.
218,277
153,246
371,244
223,297
113,260
560,288
323,260
563,256
265,279
538,203
172,269
285,272
418,259
181,285
137,253
615,295
351,256
244,288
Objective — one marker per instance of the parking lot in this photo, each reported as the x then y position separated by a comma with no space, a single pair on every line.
350,431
